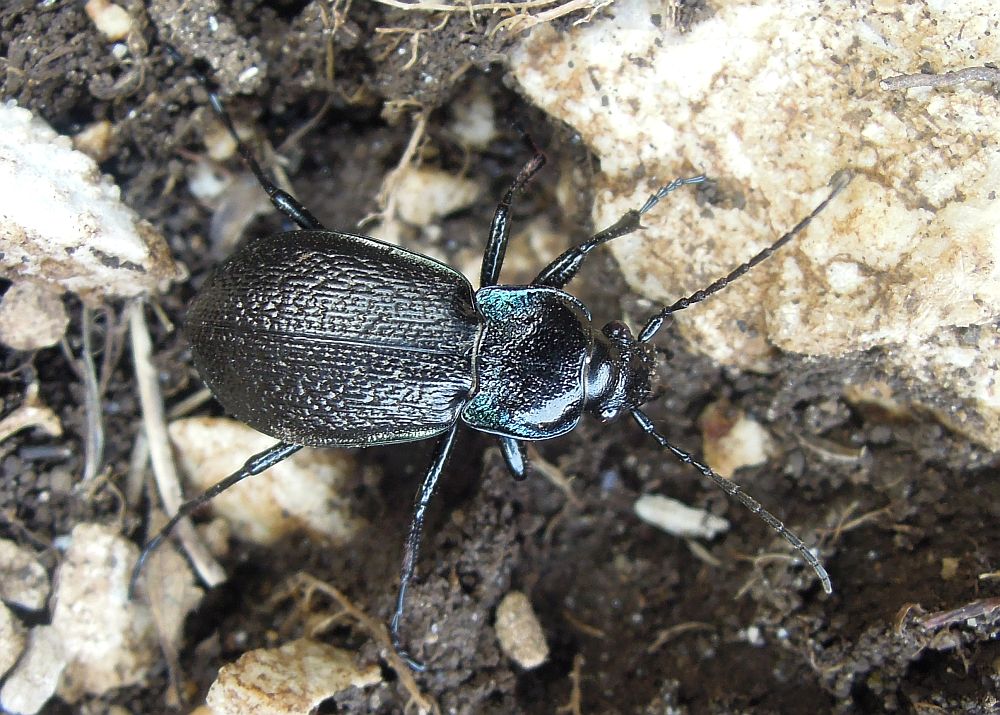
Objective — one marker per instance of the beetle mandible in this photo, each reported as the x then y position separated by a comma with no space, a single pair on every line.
328,339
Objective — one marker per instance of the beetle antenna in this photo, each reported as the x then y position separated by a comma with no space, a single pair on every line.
734,491
840,180
255,465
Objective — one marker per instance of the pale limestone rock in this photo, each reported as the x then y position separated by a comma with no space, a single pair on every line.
519,632
289,680
64,223
770,99
305,492
23,579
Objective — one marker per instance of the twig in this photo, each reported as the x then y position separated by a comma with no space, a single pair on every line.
94,452
387,195
668,634
31,413
969,74
554,475
164,470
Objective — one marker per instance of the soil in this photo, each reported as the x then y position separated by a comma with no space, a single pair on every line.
644,622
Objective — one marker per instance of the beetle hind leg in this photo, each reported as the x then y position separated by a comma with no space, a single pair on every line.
280,199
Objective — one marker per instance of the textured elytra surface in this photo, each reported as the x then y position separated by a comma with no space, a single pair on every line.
323,338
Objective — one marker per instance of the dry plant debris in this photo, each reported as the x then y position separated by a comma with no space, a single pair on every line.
731,439
30,413
679,519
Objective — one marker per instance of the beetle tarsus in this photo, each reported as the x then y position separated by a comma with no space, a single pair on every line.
515,457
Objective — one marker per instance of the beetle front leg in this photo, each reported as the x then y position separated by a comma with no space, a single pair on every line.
561,271
515,457
496,247
411,552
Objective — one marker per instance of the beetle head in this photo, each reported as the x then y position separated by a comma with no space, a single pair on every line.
621,374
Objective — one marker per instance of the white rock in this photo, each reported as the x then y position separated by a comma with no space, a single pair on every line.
11,639
108,639
307,491
423,195
771,99
519,632
63,222
474,121
731,439
289,680
23,579
34,680
32,316
678,519
113,21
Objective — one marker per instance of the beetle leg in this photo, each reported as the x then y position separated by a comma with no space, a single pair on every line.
281,199
734,491
496,246
840,180
255,465
411,551
515,457
561,271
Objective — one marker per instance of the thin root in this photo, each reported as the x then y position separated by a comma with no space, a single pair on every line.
308,585
574,706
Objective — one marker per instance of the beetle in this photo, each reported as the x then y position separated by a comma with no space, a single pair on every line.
331,339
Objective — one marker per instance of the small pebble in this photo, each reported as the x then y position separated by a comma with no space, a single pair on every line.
519,631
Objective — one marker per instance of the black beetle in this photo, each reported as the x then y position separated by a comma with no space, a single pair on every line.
329,339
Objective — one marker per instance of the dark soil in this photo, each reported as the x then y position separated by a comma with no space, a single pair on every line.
649,625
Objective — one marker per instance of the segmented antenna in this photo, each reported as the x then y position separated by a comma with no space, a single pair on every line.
734,491
840,180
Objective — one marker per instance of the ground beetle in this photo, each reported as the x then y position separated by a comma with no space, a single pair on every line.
328,339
